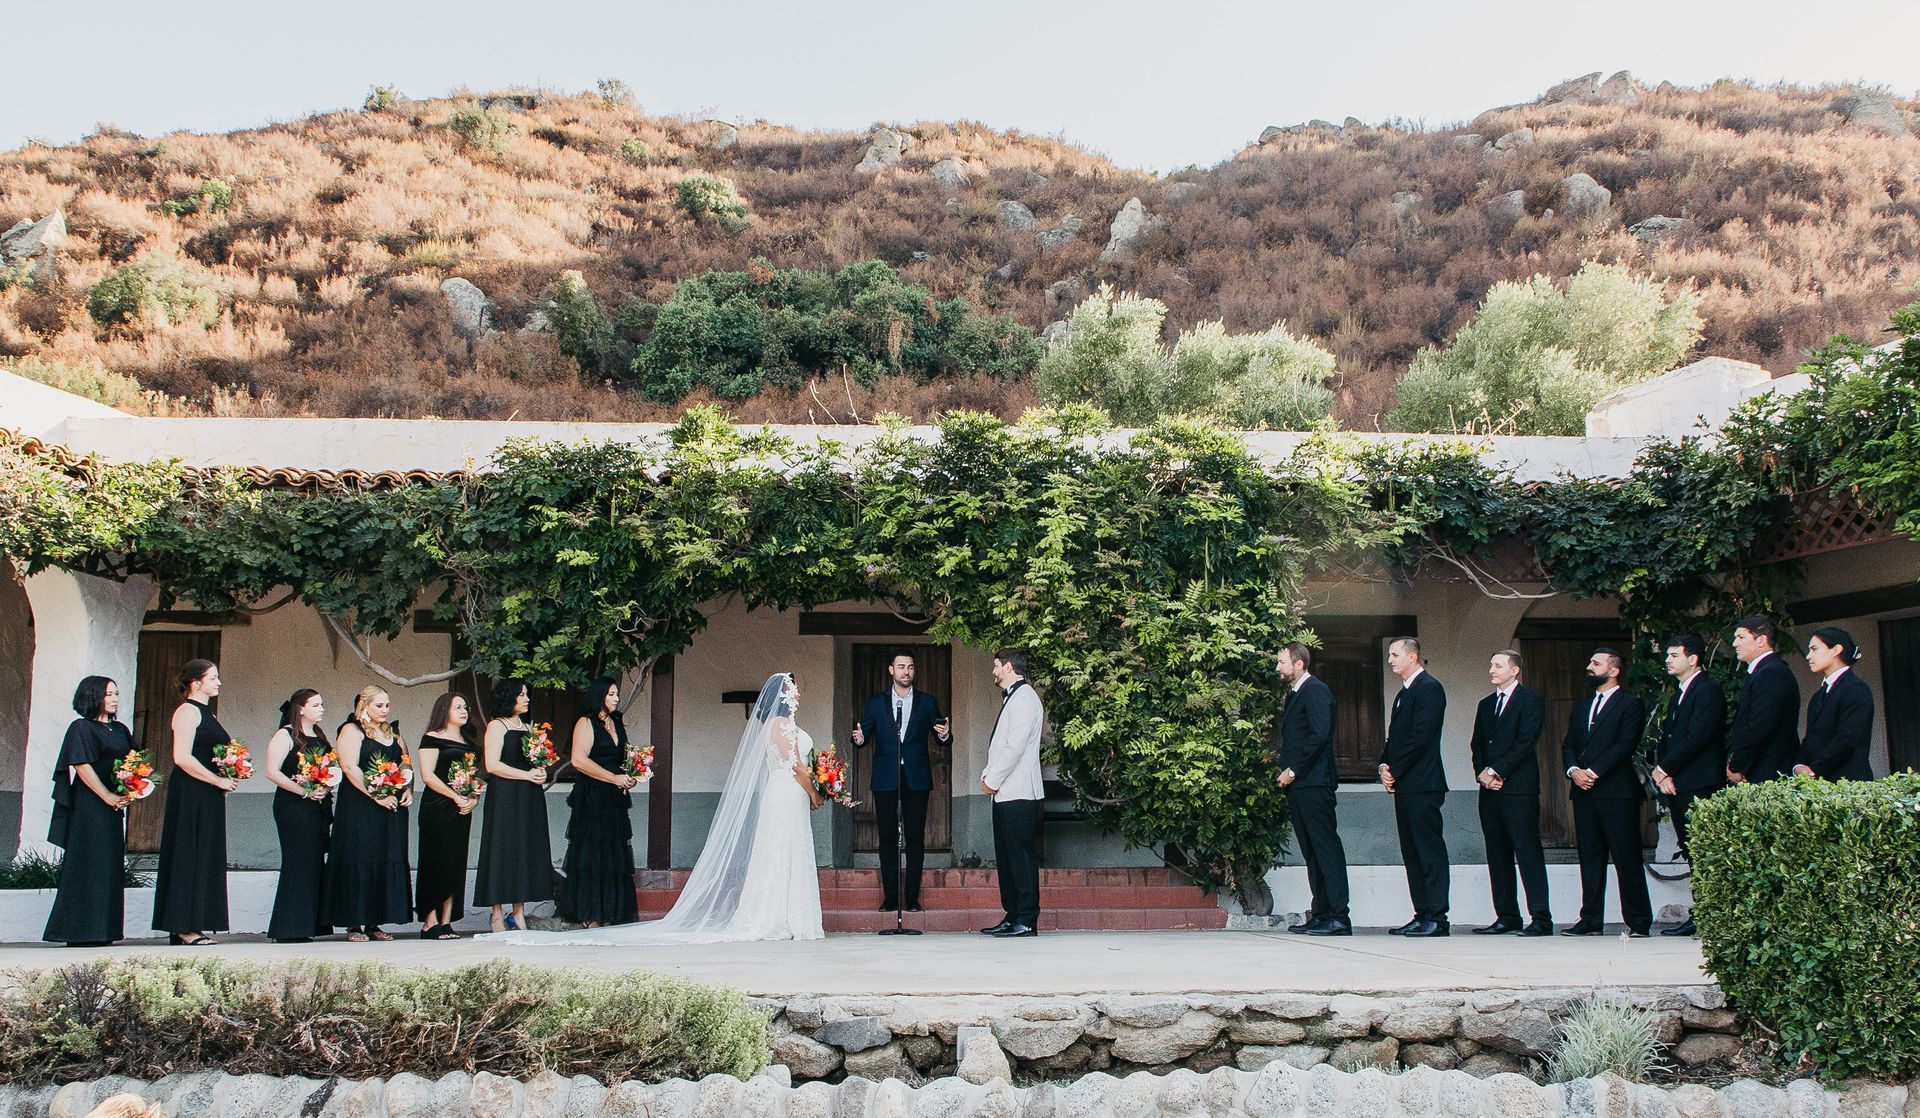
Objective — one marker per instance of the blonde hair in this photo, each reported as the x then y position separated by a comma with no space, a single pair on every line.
127,1106
362,712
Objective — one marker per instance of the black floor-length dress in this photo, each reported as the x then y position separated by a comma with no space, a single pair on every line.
444,833
190,890
299,904
90,903
516,857
599,865
367,878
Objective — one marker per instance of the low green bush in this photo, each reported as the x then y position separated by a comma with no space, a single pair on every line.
33,870
154,287
1606,1035
145,1018
212,195
86,376
708,196
1807,896
633,149
481,128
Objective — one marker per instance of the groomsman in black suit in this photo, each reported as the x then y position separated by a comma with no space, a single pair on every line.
1765,734
1506,732
1308,773
1692,760
897,722
1411,770
1602,735
1840,713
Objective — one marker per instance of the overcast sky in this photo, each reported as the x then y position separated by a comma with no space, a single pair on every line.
1152,86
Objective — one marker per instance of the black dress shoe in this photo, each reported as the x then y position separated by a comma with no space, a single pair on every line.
1405,928
1582,929
1638,933
1308,925
914,906
997,928
1683,929
1497,928
1427,929
1016,931
1537,928
1331,926
887,906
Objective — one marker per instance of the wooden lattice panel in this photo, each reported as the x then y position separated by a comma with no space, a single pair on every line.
1823,521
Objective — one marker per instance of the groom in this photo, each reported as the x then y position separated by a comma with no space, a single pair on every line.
897,721
1012,778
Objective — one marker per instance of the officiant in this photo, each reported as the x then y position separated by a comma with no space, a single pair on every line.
897,722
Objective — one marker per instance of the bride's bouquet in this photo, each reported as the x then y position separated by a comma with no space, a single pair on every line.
463,776
830,777
317,769
539,747
233,760
639,763
133,776
387,780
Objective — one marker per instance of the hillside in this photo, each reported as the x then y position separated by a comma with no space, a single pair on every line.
326,240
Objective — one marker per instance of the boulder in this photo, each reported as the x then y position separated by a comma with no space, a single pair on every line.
1520,1030
1055,332
983,1062
718,134
1301,1056
806,1013
1511,206
1439,1057
1293,1007
1583,195
854,1034
1167,1043
1065,231
1372,1052
1658,228
1033,1040
951,174
1144,1012
1182,190
1872,111
1514,140
1274,132
1405,206
1486,1065
32,243
1266,1030
805,1057
1583,88
1129,225
471,309
1016,217
1468,140
1422,1023
885,147
1620,89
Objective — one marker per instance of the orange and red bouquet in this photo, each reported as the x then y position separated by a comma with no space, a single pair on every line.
233,760
463,776
830,777
639,762
133,776
387,780
540,750
317,769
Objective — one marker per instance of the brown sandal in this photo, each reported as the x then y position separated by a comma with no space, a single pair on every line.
376,933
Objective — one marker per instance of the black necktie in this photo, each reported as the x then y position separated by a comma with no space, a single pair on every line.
1594,715
1499,705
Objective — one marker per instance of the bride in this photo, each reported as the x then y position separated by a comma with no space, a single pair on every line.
755,878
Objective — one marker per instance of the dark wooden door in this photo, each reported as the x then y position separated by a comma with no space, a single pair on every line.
868,678
1353,670
1556,667
155,696
1900,689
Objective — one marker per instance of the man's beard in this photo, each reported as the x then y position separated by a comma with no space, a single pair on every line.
1595,682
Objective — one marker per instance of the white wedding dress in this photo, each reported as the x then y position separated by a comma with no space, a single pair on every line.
755,878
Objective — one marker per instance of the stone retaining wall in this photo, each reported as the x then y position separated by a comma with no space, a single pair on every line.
1483,1033
1277,1091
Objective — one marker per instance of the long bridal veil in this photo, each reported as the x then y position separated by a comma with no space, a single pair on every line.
710,902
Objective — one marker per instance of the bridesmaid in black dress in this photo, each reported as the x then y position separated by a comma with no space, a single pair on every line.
89,821
190,891
516,859
599,883
367,879
303,819
440,890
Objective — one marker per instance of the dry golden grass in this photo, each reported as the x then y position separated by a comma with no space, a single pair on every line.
343,226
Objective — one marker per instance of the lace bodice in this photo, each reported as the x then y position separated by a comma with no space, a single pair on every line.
787,746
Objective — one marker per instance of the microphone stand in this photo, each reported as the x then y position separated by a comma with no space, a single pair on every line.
900,847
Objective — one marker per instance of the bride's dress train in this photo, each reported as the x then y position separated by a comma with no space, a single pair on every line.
755,877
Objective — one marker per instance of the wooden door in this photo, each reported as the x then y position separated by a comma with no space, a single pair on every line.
867,678
1556,667
1900,689
155,697
1353,670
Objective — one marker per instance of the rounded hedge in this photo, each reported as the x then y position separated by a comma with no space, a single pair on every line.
1807,896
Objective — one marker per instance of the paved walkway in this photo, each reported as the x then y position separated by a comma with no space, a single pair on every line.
1061,963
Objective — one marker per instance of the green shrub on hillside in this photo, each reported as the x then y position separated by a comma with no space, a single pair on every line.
735,332
707,196
152,289
1807,894
83,377
146,1018
380,99
481,128
212,196
633,149
579,324
1114,359
1537,359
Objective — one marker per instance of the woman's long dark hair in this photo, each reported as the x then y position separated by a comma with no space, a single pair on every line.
504,694
437,722
290,717
594,699
90,698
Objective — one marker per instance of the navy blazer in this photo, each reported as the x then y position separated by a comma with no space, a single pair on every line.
1306,736
876,725
1693,740
1412,753
1608,748
1765,735
1840,729
1508,745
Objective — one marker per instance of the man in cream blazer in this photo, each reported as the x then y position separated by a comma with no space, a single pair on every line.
1012,778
